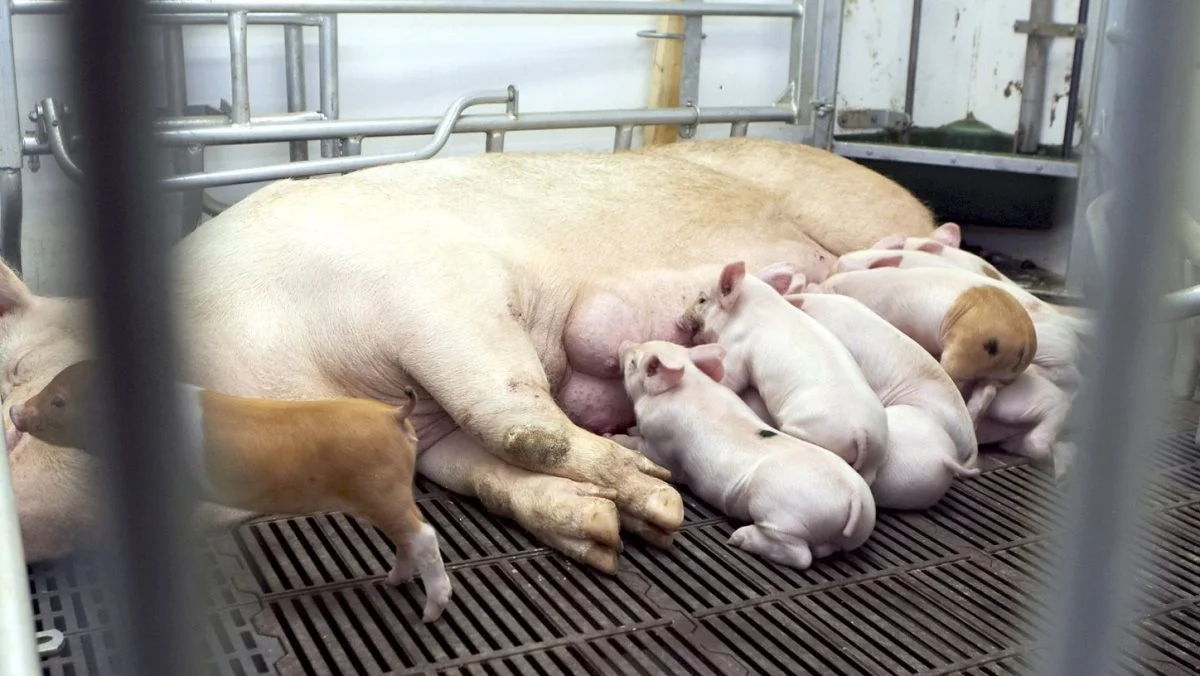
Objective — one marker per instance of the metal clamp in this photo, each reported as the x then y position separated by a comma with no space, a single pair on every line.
49,642
1051,30
51,120
656,35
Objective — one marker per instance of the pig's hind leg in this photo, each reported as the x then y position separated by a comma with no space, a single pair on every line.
416,543
784,549
491,381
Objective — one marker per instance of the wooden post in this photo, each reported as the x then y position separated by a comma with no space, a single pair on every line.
664,79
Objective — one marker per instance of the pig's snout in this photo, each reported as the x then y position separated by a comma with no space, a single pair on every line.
17,413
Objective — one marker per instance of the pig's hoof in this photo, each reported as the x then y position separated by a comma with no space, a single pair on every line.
659,506
603,559
437,597
648,532
560,510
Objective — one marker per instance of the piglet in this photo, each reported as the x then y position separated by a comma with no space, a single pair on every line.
1028,418
980,334
810,383
931,437
804,501
946,243
280,457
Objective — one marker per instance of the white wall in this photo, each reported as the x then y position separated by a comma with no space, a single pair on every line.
415,65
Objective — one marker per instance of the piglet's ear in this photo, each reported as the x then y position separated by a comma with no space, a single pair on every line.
949,234
662,374
891,242
795,299
14,295
730,285
710,359
932,247
886,262
778,276
846,264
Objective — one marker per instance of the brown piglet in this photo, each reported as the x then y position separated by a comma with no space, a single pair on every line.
281,457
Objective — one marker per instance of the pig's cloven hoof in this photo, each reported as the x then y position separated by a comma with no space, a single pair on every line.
648,532
437,597
402,571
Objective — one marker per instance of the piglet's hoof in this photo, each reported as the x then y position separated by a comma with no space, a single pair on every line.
437,597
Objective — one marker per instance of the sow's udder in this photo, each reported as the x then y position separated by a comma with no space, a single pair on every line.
593,396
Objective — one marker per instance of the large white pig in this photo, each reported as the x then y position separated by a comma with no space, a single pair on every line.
499,286
931,437
803,500
810,383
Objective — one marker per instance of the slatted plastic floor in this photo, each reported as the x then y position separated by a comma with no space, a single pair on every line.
951,590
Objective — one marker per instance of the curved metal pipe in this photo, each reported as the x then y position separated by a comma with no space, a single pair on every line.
58,143
340,164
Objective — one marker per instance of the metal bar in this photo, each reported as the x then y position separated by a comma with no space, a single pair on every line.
958,158
208,121
1181,304
623,139
176,72
1033,87
57,140
262,18
353,146
341,164
239,65
1094,579
473,124
328,48
613,7
689,72
802,52
910,82
11,142
826,77
293,47
127,262
18,647
739,128
1076,79
495,142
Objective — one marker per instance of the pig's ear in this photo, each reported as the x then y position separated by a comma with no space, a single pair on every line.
949,234
14,295
886,262
730,285
932,247
710,359
795,299
778,276
891,242
798,282
845,264
662,374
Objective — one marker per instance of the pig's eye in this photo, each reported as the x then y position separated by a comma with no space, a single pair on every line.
702,299
58,401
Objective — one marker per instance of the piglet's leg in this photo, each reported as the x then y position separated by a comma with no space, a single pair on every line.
579,520
981,400
784,549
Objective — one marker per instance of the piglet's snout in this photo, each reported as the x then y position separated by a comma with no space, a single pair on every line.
17,412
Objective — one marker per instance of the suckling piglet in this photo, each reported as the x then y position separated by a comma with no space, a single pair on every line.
980,334
1028,418
805,502
810,383
931,437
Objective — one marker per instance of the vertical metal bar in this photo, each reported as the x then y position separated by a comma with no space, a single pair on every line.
10,146
328,47
127,263
1033,87
801,62
914,47
1076,80
624,138
293,47
240,66
739,128
176,72
826,73
18,647
1094,579
689,72
353,145
495,142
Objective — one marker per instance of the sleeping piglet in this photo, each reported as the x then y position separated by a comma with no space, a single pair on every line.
805,502
931,438
280,457
980,334
809,382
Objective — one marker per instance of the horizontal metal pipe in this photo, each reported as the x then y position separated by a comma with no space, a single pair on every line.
1181,304
338,164
216,18
607,7
207,121
228,134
